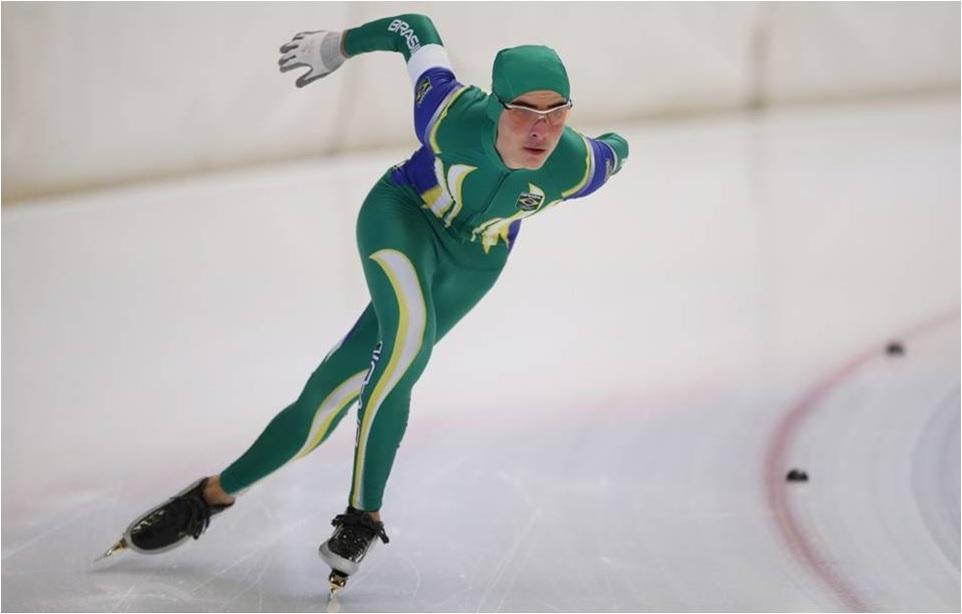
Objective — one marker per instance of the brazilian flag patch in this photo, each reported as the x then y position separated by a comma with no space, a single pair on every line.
529,202
424,86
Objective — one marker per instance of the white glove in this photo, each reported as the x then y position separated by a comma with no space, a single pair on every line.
320,51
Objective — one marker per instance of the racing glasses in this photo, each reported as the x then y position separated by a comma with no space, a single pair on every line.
555,116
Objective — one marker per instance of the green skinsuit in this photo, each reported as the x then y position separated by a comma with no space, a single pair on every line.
433,234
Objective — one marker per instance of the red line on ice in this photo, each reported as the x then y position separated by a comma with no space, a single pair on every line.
775,465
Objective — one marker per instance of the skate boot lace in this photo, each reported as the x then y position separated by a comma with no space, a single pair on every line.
190,513
354,534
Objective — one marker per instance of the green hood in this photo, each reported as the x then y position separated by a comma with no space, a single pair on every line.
522,69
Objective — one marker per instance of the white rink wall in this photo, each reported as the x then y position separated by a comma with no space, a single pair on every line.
96,94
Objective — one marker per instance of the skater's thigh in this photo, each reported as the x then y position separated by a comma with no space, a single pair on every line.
353,351
399,256
456,291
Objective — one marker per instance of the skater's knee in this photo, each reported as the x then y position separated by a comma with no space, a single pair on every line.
295,418
294,413
402,365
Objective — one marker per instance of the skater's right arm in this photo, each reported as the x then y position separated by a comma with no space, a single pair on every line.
407,34
412,35
432,77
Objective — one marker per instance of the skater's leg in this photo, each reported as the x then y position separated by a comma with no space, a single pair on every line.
419,290
458,289
399,257
453,295
331,390
214,494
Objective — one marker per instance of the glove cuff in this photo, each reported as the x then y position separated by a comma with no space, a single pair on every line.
331,55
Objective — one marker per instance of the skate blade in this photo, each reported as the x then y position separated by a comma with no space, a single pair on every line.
118,547
338,581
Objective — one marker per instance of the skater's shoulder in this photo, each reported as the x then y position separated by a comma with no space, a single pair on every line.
569,158
581,164
463,121
469,103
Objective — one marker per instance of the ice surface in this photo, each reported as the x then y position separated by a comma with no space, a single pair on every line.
594,436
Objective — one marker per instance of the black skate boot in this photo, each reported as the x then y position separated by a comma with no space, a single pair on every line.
356,532
169,524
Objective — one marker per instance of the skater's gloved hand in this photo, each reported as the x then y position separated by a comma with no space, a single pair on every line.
320,51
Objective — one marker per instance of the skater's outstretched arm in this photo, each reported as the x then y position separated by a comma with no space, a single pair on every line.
406,34
607,154
413,36
323,51
432,77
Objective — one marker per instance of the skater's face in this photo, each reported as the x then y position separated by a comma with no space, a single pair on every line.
526,138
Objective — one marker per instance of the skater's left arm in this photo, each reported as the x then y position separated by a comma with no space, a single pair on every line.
604,157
